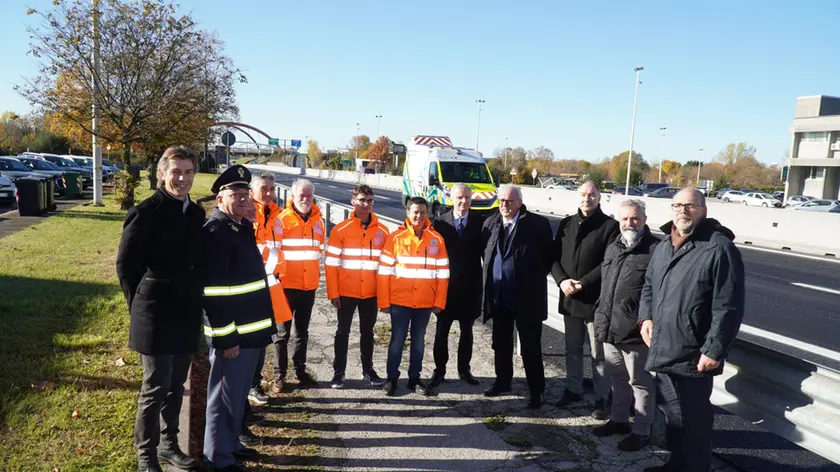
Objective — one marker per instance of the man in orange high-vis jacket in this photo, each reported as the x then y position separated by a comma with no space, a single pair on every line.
269,233
412,281
351,263
302,242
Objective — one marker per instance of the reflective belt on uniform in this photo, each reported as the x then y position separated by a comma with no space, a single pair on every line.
241,329
223,291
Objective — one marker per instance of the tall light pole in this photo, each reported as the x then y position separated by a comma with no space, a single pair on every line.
478,127
699,165
378,122
357,144
633,129
661,146
506,151
97,147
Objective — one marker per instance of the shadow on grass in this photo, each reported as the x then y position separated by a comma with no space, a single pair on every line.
41,322
107,216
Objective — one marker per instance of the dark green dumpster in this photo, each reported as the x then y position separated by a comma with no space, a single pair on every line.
72,185
31,197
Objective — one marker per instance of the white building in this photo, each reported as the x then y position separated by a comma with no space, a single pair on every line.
815,149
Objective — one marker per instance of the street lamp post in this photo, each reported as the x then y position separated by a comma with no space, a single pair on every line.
633,129
357,145
478,127
506,151
661,146
699,165
378,122
97,146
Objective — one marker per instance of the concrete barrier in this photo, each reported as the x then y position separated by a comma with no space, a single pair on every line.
789,397
807,232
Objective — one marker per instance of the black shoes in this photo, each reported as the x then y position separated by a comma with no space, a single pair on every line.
418,386
390,387
247,438
436,379
634,442
497,390
374,379
468,377
305,380
599,411
535,402
610,428
567,398
337,381
257,396
177,458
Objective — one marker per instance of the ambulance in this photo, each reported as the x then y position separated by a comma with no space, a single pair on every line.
433,165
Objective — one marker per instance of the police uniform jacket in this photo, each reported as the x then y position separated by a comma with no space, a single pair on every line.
158,266
236,301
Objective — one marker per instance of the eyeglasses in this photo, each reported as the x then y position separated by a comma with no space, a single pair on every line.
687,206
363,201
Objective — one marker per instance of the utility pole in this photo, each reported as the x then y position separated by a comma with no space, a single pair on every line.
478,130
378,123
699,165
506,151
661,146
97,147
633,129
357,145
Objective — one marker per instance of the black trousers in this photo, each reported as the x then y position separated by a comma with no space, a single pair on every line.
689,419
300,302
441,348
530,338
258,372
367,319
159,404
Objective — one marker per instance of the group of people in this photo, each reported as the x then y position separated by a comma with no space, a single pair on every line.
247,277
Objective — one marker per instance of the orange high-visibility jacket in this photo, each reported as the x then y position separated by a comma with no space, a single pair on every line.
302,243
413,272
269,233
352,257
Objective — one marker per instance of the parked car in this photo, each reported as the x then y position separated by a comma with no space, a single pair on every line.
647,189
721,191
761,199
69,165
634,192
7,191
797,200
87,163
12,168
667,192
48,168
736,196
823,206
779,196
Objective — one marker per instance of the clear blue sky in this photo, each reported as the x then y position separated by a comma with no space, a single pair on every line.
554,73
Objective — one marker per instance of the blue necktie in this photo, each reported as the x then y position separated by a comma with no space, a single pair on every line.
460,227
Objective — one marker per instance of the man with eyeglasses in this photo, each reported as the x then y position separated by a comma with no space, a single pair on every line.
351,263
517,259
690,312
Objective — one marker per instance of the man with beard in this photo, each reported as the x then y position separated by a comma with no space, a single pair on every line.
694,298
579,247
616,325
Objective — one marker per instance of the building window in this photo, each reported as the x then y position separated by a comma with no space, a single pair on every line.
815,173
815,137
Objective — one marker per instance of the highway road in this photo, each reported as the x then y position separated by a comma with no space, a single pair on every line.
793,301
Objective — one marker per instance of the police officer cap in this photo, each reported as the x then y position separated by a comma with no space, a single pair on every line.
236,176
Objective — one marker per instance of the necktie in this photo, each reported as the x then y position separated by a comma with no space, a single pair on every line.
460,227
505,236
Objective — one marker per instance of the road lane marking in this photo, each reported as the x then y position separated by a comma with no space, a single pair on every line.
383,197
816,287
331,186
802,346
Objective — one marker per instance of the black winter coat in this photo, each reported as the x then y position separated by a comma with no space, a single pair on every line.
579,247
695,298
622,279
159,269
463,299
530,248
237,303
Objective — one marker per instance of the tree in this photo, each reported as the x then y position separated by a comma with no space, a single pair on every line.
618,168
734,152
159,72
363,143
541,153
379,151
313,152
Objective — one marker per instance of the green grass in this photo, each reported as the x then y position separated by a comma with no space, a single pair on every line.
65,401
496,422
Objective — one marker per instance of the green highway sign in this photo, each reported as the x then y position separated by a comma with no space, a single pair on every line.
274,141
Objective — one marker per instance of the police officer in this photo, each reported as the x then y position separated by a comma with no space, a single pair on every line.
238,319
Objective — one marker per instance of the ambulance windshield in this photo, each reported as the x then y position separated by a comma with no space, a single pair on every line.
466,172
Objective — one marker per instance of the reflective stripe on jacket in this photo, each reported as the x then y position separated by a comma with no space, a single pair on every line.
413,272
269,233
302,243
352,257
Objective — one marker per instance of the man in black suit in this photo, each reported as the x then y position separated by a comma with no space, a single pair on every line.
517,259
461,231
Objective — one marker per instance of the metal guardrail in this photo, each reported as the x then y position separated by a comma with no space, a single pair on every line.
790,397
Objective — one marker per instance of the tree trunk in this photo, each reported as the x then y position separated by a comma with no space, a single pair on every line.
153,163
126,157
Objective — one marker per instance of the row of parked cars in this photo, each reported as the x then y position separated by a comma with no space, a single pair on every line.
777,200
44,165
